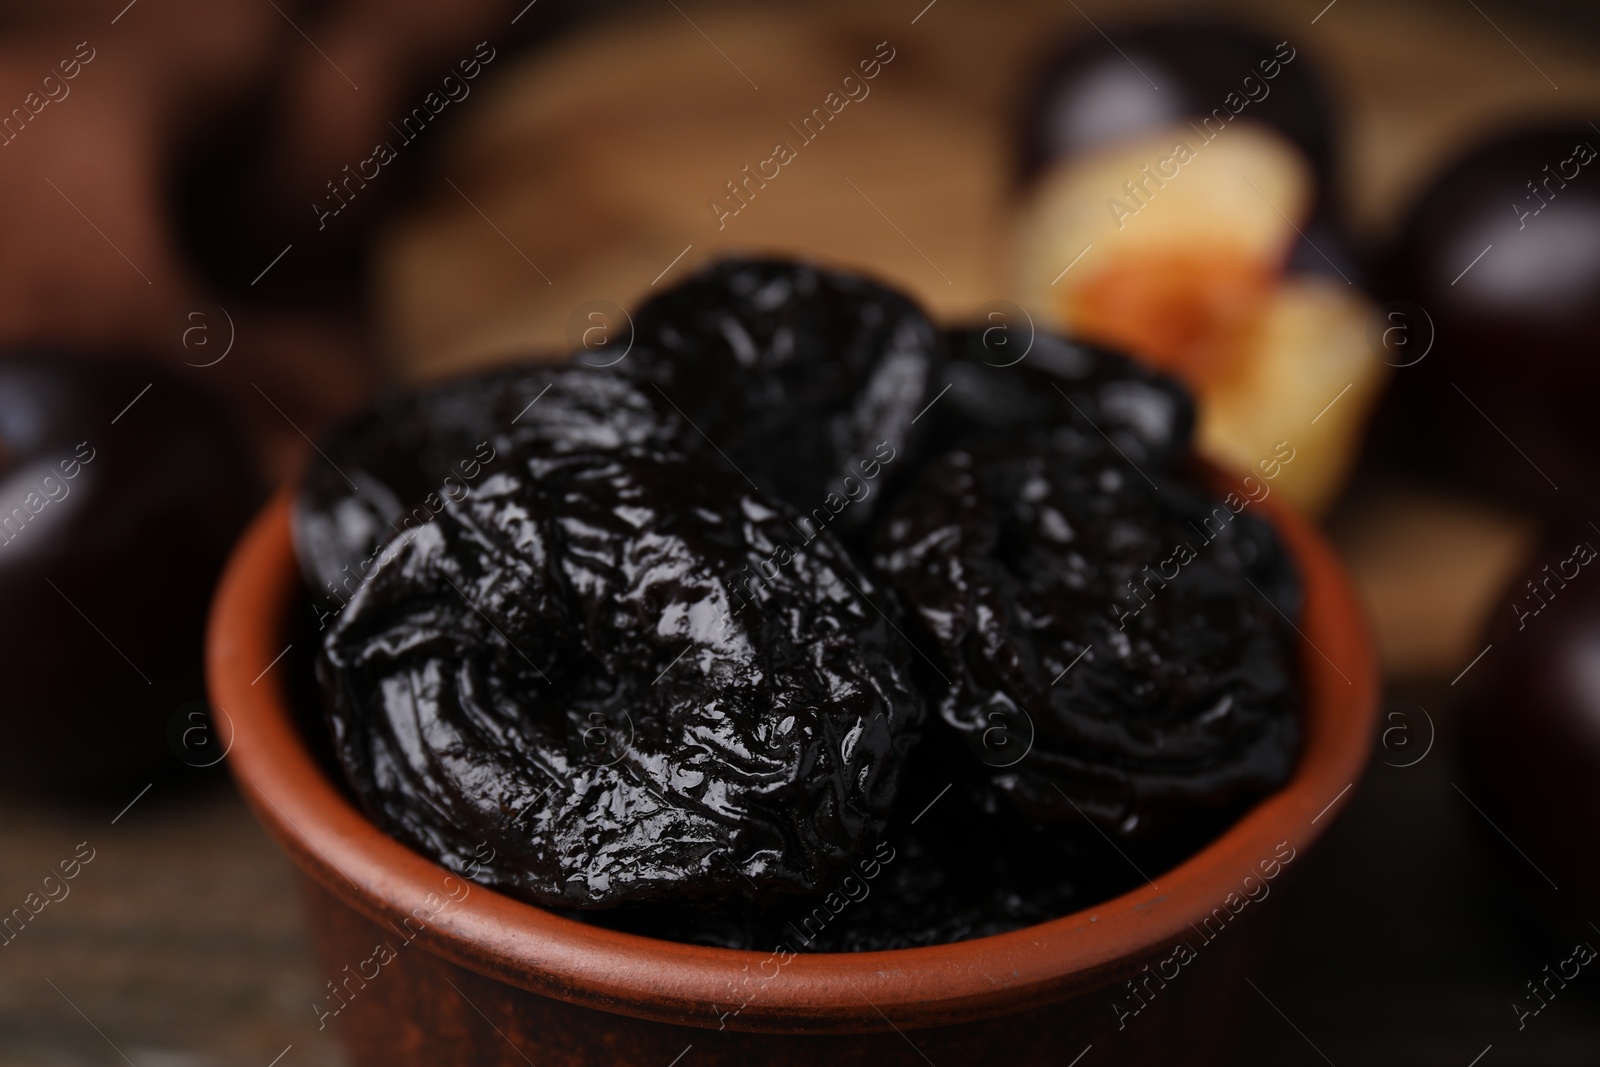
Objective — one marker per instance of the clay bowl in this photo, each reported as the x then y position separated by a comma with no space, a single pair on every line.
426,968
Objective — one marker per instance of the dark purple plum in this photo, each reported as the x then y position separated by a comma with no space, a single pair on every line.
1532,720
1092,92
121,491
1503,253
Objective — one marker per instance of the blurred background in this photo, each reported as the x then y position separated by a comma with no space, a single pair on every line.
223,224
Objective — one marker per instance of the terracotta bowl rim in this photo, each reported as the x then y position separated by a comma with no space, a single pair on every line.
523,945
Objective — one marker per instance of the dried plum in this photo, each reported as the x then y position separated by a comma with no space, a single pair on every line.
1134,637
577,665
394,465
797,375
633,661
954,875
1080,399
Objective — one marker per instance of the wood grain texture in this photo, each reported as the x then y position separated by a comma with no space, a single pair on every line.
181,942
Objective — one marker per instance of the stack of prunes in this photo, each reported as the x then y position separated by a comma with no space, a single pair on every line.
798,621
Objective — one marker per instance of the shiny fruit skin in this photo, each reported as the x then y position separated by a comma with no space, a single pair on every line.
1515,328
1092,93
111,537
1531,726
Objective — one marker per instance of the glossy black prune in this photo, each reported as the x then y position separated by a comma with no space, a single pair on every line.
587,660
795,374
959,871
924,885
573,671
394,465
1078,399
1146,699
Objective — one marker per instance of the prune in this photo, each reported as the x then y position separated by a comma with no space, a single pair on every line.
1079,399
958,872
1131,635
610,675
949,879
1093,93
615,674
807,381
394,465
121,488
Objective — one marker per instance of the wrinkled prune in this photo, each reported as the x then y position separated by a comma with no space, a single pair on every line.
925,885
957,872
795,374
1132,636
1079,399
597,667
394,465
585,658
